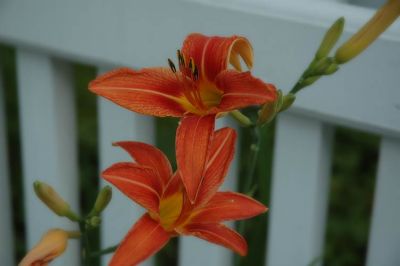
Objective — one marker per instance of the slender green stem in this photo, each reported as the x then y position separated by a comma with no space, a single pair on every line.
249,186
72,216
85,244
241,118
74,234
103,251
253,155
299,84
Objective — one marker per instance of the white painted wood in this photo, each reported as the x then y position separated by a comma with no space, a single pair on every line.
146,33
118,124
6,228
299,196
49,148
384,240
197,252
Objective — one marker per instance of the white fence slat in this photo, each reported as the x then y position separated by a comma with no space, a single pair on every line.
118,124
6,229
49,148
197,252
299,191
384,240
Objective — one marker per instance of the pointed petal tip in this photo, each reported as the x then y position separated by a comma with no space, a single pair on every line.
144,239
219,234
150,91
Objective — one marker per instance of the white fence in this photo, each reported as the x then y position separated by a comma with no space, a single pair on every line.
364,94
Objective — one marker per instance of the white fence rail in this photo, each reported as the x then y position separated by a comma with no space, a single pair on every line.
364,95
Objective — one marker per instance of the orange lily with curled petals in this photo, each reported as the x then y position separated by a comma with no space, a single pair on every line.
201,85
185,202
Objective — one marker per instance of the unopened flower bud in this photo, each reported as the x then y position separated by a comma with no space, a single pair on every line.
331,69
103,198
309,81
382,19
330,38
288,100
269,110
321,66
52,245
51,198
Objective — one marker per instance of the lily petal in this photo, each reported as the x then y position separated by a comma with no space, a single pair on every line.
139,183
213,53
192,143
241,89
220,235
143,240
222,149
148,155
225,206
150,91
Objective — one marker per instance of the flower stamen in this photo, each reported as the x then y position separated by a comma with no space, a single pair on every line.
171,65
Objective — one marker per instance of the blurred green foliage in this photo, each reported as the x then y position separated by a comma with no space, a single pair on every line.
7,66
350,198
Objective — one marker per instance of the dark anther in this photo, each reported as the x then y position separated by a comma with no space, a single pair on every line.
195,73
191,65
181,59
171,65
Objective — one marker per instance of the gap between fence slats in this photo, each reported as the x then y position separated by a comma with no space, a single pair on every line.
49,148
6,229
117,124
384,239
301,170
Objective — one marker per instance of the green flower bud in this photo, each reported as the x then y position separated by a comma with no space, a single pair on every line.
309,81
268,111
321,66
330,38
331,69
103,198
53,200
288,100
382,19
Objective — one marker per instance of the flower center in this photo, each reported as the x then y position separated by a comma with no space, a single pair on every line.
170,210
209,94
199,95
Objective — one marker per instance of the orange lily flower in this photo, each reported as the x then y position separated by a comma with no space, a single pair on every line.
201,85
52,245
185,202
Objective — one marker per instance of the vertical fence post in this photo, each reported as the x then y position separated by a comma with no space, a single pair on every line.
49,148
301,169
197,252
116,124
384,239
6,230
